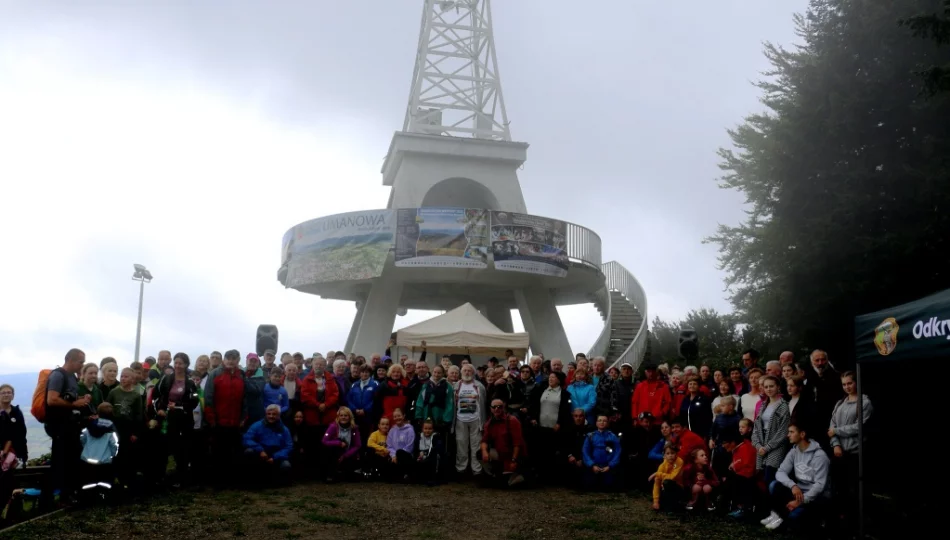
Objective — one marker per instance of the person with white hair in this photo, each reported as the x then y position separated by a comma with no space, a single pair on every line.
342,381
471,412
268,444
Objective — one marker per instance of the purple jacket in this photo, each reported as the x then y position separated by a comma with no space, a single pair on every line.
332,439
400,438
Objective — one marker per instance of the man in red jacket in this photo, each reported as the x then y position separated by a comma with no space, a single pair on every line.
686,440
226,413
651,395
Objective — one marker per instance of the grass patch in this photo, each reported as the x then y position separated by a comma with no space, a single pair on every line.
327,504
238,529
315,517
430,535
278,526
292,536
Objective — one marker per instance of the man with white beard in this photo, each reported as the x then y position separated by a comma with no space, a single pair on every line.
471,401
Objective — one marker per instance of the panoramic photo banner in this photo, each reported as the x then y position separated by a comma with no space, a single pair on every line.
531,244
344,247
442,237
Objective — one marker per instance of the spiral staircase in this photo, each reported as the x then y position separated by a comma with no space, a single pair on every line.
622,304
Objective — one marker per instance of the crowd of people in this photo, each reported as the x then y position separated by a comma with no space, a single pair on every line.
776,443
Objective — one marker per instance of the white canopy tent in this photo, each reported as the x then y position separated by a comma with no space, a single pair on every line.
462,331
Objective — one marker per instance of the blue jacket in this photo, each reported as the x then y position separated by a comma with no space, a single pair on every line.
363,399
584,396
274,439
601,448
99,442
656,454
276,396
254,384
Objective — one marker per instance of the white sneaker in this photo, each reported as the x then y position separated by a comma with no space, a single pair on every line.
774,524
772,517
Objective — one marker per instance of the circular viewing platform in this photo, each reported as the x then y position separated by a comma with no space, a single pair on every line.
443,256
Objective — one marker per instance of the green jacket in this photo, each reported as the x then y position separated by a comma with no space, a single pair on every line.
436,401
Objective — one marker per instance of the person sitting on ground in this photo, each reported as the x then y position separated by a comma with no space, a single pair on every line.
100,444
601,456
668,480
685,440
268,443
502,445
342,443
801,482
429,450
400,443
378,455
700,479
643,437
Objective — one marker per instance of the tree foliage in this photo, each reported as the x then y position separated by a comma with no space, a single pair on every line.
846,175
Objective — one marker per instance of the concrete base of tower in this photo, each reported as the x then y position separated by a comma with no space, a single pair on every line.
543,323
375,318
500,316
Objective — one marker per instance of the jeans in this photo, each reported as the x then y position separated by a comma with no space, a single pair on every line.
780,496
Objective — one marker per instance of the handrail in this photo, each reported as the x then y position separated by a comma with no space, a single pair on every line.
618,278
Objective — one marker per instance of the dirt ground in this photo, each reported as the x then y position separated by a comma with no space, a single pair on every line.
377,510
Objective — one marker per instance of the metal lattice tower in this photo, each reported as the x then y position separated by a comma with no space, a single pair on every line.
456,89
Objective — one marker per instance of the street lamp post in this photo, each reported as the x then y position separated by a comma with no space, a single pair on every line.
143,276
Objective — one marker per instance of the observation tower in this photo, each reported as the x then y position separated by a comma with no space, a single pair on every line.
457,229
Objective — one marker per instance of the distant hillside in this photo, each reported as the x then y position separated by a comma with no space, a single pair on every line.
24,384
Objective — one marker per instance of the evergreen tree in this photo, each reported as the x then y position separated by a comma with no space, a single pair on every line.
846,177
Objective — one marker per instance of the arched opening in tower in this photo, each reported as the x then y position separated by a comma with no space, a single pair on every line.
460,193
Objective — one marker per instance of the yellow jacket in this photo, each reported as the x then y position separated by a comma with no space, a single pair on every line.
377,442
667,471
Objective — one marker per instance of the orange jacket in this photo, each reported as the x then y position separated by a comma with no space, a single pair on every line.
652,397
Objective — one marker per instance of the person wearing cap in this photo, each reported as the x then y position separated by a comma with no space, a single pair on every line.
254,382
226,412
269,357
624,385
651,395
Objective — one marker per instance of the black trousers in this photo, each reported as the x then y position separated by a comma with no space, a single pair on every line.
226,449
64,463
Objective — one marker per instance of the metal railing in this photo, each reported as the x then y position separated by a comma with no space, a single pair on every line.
583,245
618,278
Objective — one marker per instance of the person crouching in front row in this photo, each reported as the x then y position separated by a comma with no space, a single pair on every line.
668,480
601,456
429,452
268,445
342,444
502,445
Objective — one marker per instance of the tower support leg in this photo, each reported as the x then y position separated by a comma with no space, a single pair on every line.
500,316
355,327
543,324
377,317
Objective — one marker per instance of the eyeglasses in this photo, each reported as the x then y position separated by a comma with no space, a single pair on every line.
497,406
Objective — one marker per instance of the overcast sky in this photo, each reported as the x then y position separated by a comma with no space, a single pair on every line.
189,136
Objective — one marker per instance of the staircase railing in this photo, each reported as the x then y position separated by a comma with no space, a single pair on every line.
618,278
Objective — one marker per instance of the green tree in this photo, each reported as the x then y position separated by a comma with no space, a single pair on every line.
846,177
936,27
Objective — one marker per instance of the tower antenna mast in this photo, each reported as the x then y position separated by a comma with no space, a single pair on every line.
456,88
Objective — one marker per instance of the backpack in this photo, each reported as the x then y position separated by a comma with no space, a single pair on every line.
38,409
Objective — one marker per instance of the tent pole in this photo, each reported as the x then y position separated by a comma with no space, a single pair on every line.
860,452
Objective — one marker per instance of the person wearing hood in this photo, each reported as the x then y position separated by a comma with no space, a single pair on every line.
801,482
268,443
100,444
583,394
175,404
254,388
845,443
651,395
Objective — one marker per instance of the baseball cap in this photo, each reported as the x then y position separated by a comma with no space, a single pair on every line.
650,366
233,353
270,351
626,364
645,415
253,355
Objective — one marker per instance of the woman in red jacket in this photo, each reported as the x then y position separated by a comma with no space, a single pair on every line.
393,394
319,397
